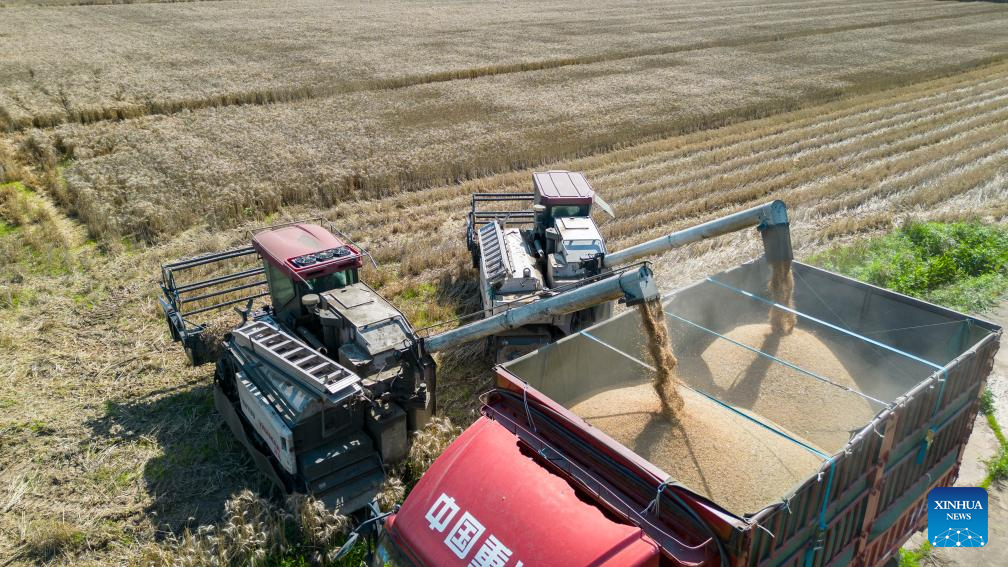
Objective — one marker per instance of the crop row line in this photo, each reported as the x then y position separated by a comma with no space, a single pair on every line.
744,133
440,200
828,180
722,168
284,95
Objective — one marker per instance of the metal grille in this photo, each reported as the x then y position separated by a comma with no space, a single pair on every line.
297,360
495,258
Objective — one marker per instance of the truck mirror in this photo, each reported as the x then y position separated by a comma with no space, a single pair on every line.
552,234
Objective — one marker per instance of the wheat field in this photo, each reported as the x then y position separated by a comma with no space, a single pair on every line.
133,134
156,176
85,64
125,445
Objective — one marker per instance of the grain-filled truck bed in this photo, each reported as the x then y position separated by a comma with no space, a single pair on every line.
790,432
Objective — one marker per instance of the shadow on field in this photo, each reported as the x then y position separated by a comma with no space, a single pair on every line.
198,464
464,372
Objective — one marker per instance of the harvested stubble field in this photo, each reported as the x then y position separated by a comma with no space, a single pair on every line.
107,438
155,176
171,57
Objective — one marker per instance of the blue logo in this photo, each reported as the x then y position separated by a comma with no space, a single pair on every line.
957,517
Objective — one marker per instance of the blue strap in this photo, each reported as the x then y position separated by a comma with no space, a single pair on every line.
656,503
808,447
827,324
820,537
932,431
780,360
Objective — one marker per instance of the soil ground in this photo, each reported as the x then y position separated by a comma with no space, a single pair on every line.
982,445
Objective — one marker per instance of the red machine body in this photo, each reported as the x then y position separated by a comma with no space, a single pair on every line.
305,251
451,518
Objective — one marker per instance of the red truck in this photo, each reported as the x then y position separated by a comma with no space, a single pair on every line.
532,482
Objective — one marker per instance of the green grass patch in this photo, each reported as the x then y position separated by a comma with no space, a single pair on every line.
420,304
913,558
961,265
996,428
997,466
114,479
34,427
6,228
987,402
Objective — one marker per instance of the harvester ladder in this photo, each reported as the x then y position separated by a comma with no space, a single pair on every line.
494,253
298,360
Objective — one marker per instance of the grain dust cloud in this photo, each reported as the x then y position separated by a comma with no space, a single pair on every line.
666,385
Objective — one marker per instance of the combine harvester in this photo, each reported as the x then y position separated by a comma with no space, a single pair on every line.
812,446
326,384
527,246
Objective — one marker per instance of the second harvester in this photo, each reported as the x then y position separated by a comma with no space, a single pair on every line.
529,246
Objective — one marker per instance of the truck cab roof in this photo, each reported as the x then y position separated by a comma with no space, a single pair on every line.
485,493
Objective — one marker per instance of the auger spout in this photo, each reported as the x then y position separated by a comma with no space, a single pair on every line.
771,219
634,286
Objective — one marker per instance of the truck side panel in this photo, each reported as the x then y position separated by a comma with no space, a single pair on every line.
875,495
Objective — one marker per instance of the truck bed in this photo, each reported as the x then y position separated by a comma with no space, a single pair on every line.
819,438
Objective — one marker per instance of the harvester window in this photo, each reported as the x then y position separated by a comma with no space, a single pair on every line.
334,280
569,211
281,287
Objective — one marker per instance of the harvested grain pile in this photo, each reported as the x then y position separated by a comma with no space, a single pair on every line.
819,412
713,451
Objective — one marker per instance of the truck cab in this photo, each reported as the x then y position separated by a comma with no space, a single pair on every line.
490,500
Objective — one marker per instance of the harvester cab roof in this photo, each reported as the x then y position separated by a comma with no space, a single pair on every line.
305,251
304,259
562,188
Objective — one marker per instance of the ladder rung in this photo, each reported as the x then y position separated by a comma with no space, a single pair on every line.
308,366
315,369
304,364
278,346
293,359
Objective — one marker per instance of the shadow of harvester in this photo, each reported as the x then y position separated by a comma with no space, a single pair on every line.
198,464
